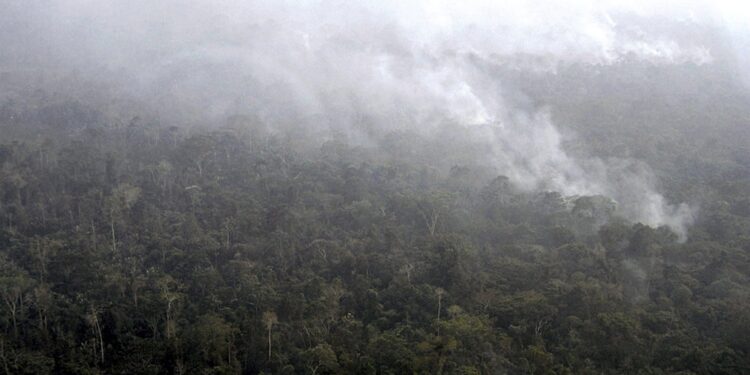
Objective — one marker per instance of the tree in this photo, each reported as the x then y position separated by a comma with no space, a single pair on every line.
391,354
119,203
269,320
168,292
321,359
439,292
92,318
15,284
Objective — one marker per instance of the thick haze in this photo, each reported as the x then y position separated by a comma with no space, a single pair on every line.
395,65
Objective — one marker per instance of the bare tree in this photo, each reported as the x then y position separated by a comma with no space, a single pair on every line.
93,319
440,292
269,319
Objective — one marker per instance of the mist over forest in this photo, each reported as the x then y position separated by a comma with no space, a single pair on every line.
374,187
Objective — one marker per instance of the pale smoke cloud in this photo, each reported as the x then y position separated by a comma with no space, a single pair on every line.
403,64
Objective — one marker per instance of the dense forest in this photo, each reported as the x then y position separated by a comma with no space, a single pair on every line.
332,202
134,248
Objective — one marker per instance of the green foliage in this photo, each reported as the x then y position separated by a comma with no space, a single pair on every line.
231,252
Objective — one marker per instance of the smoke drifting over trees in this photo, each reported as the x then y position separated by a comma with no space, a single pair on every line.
369,67
440,133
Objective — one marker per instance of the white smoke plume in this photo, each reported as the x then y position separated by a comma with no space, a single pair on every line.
403,64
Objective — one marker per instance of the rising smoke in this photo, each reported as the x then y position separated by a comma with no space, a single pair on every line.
403,65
